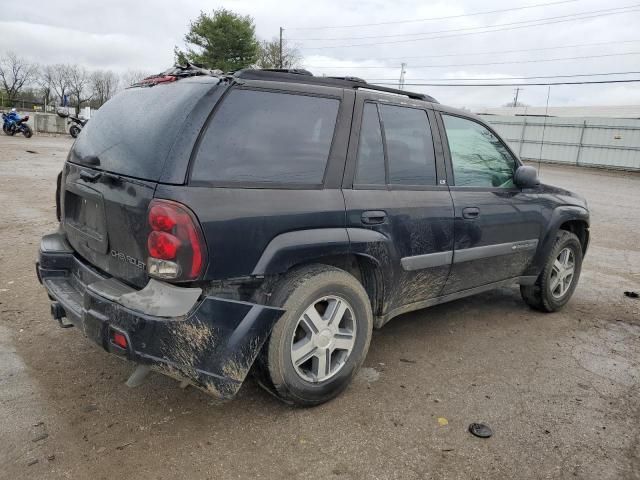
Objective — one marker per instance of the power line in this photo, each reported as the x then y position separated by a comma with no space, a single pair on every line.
520,22
493,52
585,17
512,78
487,12
587,82
486,63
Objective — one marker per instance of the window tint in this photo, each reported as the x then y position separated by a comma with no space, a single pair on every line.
479,158
267,137
409,146
133,132
370,150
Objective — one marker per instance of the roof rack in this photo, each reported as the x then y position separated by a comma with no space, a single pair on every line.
395,91
295,71
304,76
368,86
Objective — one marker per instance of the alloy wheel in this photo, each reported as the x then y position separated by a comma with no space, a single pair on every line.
323,339
562,273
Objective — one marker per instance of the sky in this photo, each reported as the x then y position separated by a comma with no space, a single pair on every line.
578,36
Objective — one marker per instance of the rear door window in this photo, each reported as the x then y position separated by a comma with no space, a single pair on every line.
371,170
261,137
410,152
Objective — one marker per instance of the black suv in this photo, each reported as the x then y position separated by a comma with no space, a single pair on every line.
268,220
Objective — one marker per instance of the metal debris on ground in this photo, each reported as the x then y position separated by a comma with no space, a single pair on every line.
480,430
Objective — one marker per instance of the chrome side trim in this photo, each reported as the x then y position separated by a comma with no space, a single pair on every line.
429,260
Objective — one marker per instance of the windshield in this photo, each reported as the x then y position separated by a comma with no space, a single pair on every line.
133,132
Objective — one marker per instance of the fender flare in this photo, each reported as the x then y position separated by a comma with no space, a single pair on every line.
559,216
291,248
288,249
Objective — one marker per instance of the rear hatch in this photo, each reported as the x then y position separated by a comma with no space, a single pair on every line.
141,137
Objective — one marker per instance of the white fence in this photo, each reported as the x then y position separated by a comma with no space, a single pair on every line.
584,141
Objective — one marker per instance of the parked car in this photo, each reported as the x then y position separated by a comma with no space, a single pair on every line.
269,220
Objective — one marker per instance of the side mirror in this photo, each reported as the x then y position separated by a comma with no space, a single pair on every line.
526,177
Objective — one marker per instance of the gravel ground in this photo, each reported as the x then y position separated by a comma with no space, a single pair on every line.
560,391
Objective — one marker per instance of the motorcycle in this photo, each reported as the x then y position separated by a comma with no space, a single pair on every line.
74,130
12,124
78,123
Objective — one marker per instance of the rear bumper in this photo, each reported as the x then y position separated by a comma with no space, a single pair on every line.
213,345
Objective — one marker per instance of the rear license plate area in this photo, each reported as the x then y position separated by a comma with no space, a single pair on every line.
84,215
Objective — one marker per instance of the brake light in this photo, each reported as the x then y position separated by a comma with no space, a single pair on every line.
163,245
176,246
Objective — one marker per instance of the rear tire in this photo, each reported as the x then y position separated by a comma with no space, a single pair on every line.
27,132
74,131
558,280
320,342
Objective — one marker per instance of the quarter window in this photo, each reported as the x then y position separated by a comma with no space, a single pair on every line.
479,158
267,137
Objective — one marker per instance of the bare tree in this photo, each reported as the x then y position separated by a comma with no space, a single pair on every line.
15,74
133,76
104,84
56,77
269,55
44,84
79,84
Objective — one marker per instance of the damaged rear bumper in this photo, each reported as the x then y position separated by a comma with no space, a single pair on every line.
210,341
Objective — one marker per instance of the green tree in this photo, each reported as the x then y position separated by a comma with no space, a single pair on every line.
225,41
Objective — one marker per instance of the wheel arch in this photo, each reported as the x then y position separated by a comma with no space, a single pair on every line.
334,247
572,218
580,228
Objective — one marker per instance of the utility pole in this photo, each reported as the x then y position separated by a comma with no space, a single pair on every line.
280,56
515,98
402,72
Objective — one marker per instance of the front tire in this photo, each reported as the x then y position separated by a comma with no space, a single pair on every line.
558,280
320,342
74,131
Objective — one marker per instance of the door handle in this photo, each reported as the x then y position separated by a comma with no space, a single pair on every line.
373,217
470,212
90,176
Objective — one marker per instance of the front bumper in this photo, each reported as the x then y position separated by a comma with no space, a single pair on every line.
213,345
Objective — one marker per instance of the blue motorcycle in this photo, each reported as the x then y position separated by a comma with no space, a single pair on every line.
12,123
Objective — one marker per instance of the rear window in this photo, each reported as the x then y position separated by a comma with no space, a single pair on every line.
267,137
133,132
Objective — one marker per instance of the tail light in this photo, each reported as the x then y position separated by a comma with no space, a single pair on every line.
175,245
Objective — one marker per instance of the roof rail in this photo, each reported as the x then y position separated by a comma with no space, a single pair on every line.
304,76
350,79
369,86
297,71
413,95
